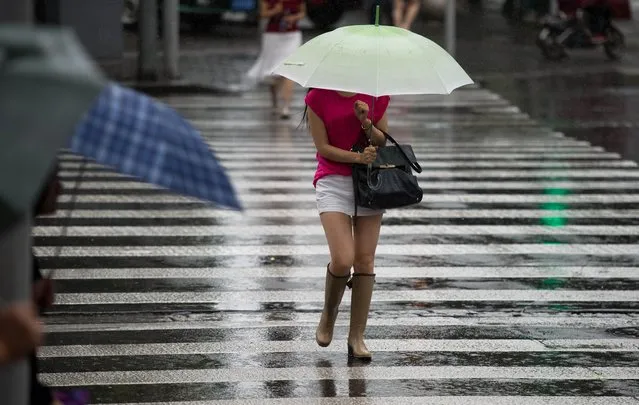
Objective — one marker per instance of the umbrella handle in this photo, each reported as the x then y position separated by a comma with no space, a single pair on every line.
369,179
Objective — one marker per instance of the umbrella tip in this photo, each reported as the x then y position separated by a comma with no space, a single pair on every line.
377,15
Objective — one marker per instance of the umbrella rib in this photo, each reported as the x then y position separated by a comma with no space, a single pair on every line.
320,62
424,46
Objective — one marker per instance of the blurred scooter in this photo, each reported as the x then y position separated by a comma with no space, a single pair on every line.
562,31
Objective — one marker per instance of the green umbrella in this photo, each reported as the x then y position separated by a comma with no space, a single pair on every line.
47,84
376,60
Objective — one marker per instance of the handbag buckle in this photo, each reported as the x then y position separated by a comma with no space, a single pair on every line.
388,166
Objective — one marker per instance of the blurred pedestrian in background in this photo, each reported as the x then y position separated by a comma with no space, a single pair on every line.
281,38
405,12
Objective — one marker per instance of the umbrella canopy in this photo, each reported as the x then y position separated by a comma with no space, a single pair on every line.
47,83
376,60
144,138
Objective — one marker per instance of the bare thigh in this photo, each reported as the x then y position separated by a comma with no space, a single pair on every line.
339,235
366,235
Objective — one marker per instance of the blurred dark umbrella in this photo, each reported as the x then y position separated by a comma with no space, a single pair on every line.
47,84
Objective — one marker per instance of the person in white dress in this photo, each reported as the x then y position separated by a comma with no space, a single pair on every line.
280,39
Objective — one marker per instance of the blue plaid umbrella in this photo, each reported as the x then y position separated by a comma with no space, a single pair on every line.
141,137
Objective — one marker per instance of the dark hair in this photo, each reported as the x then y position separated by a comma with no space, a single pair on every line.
305,113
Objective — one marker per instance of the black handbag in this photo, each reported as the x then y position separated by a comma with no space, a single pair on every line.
389,181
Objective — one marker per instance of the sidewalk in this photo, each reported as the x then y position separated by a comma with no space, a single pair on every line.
487,46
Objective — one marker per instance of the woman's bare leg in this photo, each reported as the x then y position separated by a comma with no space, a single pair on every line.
412,10
339,235
398,12
274,93
286,90
366,237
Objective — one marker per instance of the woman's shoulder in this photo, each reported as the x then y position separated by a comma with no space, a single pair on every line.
317,95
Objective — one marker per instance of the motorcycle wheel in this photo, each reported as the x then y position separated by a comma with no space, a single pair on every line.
615,43
550,48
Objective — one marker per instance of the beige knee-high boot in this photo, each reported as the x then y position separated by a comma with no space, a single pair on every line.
362,285
333,293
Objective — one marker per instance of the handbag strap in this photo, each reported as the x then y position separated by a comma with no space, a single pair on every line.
414,165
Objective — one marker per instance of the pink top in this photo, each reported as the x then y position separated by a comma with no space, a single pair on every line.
342,126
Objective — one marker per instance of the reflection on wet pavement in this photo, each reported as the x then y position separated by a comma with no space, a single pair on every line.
513,282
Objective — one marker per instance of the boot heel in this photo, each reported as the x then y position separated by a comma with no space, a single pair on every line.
352,355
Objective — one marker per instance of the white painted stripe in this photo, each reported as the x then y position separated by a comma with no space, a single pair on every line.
298,104
434,155
424,156
303,250
417,143
396,123
246,374
243,321
73,162
312,213
377,345
430,199
308,174
419,149
466,185
430,400
298,96
252,273
251,300
395,112
250,232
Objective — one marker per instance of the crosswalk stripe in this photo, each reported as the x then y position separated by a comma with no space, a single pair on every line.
296,250
466,272
468,185
339,373
432,400
297,230
310,213
231,299
69,162
607,198
309,320
422,345
431,174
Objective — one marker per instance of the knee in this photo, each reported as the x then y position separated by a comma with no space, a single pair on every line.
364,264
341,264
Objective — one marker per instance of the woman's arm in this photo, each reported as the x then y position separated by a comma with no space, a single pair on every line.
374,132
266,12
296,17
326,150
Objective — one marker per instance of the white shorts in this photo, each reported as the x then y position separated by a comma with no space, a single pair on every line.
334,193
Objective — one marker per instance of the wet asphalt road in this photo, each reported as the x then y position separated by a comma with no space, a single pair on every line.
514,282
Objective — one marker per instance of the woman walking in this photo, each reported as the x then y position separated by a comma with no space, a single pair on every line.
280,39
405,12
337,121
